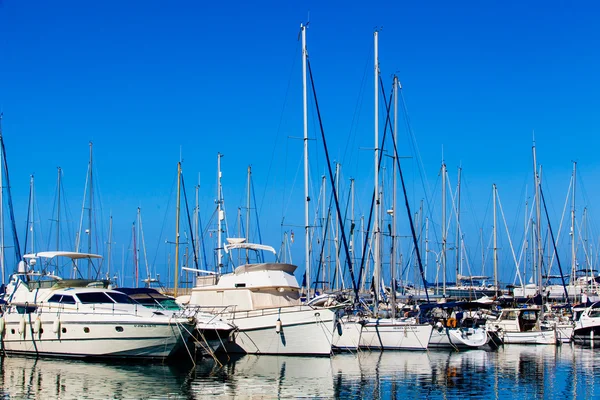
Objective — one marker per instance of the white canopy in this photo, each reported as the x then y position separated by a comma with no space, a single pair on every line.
249,246
70,254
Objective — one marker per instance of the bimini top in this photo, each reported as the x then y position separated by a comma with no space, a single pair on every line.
70,254
289,268
248,246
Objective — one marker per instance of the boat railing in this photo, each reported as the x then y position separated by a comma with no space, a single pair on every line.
77,308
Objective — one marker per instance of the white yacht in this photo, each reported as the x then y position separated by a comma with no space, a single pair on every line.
522,326
48,316
262,300
587,327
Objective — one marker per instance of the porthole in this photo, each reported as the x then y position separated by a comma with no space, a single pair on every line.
119,328
64,330
86,329
12,331
41,331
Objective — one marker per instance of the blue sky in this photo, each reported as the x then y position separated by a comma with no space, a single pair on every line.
147,81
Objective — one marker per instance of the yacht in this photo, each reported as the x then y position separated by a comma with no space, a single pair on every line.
262,301
522,326
45,315
587,327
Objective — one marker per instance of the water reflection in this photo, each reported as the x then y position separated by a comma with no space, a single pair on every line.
512,372
69,379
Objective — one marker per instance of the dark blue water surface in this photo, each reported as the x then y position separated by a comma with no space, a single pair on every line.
512,372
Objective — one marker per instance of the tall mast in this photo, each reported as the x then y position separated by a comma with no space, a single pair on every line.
2,207
90,213
573,236
58,211
306,194
248,212
336,240
495,194
352,221
458,240
177,229
32,214
220,215
324,211
377,260
394,190
135,259
197,220
109,244
539,250
137,248
444,227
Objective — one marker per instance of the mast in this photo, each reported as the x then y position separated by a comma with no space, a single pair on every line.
306,194
539,251
110,227
458,239
32,214
2,208
220,215
444,227
90,213
573,237
495,194
177,229
352,221
336,239
197,220
248,213
394,190
324,224
137,248
58,211
135,259
377,260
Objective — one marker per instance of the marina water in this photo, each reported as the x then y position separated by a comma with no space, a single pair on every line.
512,372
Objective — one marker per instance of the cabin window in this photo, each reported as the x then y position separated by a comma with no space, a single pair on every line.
509,315
594,313
94,298
119,328
63,299
529,315
55,299
240,285
121,298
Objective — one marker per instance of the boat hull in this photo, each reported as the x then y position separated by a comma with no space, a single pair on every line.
587,336
388,334
530,337
92,336
296,330
463,338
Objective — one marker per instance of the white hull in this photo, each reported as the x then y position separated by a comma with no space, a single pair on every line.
303,330
143,338
388,334
346,335
530,337
458,338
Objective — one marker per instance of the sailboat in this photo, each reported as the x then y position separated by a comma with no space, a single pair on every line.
375,332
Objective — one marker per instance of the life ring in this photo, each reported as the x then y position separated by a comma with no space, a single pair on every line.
451,323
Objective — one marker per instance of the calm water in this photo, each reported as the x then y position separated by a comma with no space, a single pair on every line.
519,372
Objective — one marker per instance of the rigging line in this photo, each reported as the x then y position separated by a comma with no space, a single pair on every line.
409,213
562,218
337,205
27,221
512,249
562,277
50,230
323,243
366,241
187,209
10,202
256,211
162,229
